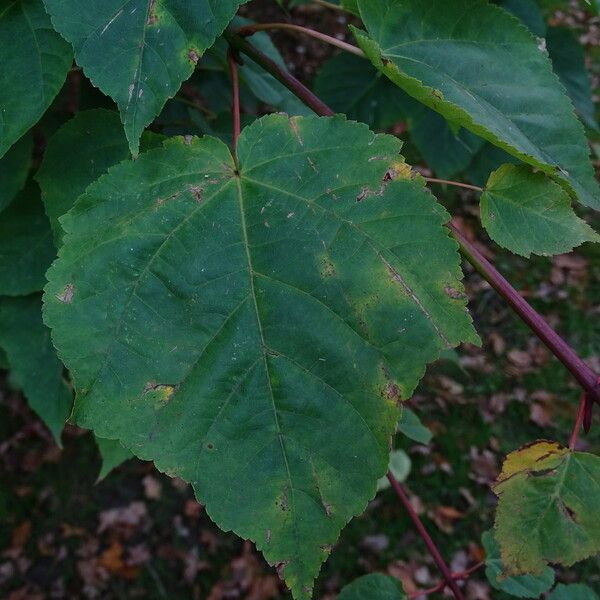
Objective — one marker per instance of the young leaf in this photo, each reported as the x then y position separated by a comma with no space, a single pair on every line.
140,52
575,591
35,62
373,587
77,154
238,322
520,586
548,503
26,248
435,52
400,466
14,168
528,213
34,367
410,425
113,453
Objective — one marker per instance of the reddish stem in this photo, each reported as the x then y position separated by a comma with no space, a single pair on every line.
435,553
235,80
578,368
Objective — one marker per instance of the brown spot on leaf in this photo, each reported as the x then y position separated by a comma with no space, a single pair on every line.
66,295
295,130
160,393
197,191
193,56
568,511
280,567
152,16
453,293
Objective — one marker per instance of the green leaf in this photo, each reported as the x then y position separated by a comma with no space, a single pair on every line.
35,62
14,168
521,586
34,366
568,60
77,154
410,425
26,248
530,214
140,52
548,504
227,321
575,591
400,466
435,52
113,454
373,587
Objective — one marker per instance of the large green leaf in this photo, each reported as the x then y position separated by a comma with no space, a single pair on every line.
548,505
528,213
477,66
77,154
35,62
14,168
26,248
34,367
373,587
520,586
140,51
240,322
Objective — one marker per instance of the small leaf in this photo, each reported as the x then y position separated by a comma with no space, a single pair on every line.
113,453
400,466
410,425
34,367
227,321
140,52
530,214
574,591
373,587
77,154
35,62
548,505
435,51
14,168
26,248
521,586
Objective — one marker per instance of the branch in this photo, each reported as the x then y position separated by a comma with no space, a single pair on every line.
248,30
287,79
235,81
449,581
442,584
567,356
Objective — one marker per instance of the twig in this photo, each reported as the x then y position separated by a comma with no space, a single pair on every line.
578,421
435,553
330,5
287,79
248,30
567,356
442,584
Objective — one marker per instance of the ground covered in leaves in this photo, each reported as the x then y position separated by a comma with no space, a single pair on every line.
140,534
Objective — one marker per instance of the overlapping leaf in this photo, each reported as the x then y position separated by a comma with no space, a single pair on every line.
35,62
112,453
468,59
528,213
549,499
34,367
139,52
77,154
238,322
26,247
